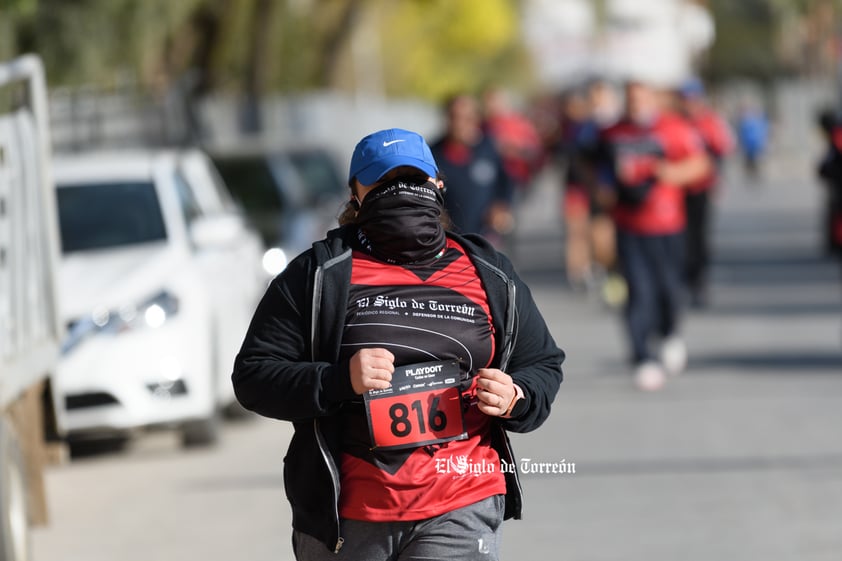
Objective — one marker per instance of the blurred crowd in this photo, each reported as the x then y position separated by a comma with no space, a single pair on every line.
638,167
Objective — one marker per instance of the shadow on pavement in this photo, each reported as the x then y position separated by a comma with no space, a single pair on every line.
707,465
270,481
773,309
772,361
99,446
773,269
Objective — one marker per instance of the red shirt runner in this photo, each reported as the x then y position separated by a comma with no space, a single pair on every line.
425,316
669,137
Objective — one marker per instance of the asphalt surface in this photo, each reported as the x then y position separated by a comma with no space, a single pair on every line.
739,458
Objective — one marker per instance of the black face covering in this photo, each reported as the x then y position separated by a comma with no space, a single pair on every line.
399,222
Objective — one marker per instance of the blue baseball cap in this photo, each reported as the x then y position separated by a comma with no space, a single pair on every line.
383,151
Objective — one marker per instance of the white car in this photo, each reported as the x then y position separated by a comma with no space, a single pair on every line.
158,281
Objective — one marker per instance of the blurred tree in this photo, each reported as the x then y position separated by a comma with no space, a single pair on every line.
11,12
810,35
96,41
745,40
433,48
425,48
254,46
335,36
762,39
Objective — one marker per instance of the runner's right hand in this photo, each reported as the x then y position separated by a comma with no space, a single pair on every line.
371,369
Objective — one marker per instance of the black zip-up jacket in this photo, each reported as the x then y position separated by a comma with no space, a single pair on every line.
288,368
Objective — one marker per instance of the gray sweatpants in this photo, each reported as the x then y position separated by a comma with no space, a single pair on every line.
471,533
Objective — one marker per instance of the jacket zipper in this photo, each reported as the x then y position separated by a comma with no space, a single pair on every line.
315,310
506,354
334,477
509,336
331,466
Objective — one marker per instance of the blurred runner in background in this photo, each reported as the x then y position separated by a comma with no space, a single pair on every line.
647,158
752,134
591,256
719,142
830,171
577,133
606,108
515,136
479,190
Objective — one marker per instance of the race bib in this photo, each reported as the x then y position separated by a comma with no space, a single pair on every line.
423,406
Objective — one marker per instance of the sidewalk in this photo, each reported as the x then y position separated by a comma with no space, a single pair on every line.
741,457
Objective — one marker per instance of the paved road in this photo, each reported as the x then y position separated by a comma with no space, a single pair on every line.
740,458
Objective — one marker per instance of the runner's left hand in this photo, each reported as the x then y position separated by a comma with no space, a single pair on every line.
495,391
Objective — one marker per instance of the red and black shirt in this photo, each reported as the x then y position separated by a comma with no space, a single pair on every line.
639,148
421,314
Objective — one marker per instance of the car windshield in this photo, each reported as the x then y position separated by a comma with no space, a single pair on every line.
103,215
319,174
251,183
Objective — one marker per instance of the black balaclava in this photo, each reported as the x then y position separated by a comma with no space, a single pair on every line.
400,222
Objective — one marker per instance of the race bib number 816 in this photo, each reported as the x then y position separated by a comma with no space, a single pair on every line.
423,406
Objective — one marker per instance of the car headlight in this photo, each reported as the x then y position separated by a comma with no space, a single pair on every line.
274,261
150,313
158,309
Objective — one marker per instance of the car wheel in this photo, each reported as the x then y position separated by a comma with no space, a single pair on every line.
14,517
236,412
200,432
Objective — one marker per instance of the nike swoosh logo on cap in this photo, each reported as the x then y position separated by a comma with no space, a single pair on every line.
385,144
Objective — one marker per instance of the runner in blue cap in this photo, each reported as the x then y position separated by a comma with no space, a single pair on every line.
402,353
